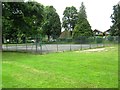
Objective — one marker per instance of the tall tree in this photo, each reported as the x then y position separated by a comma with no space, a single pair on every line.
20,18
51,24
11,14
82,12
34,15
70,18
82,29
115,28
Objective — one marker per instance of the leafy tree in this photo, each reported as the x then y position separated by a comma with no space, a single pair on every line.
10,15
51,24
56,31
70,18
115,28
82,29
34,15
21,19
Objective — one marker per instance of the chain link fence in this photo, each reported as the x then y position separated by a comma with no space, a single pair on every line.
39,45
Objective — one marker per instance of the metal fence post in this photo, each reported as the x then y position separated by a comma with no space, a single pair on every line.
36,42
40,43
90,45
81,46
57,47
16,46
16,43
70,45
97,45
41,49
26,43
6,46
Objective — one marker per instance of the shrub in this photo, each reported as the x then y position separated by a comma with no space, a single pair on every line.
81,39
91,39
99,39
110,38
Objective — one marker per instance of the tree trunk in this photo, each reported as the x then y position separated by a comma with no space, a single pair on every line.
71,33
48,38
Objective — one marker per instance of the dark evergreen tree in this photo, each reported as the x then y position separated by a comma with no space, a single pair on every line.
82,29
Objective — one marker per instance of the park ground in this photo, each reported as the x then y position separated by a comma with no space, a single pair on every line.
75,69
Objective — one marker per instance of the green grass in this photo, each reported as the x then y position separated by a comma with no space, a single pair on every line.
61,70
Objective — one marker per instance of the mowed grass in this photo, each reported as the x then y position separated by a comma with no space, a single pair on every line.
61,70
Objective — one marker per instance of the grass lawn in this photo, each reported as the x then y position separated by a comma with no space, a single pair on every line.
61,70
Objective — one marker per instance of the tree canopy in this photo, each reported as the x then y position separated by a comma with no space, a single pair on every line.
51,24
115,28
28,19
70,18
82,28
21,18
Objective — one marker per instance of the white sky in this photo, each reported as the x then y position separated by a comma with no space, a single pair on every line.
98,11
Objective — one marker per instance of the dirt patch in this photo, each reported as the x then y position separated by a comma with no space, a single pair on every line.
93,50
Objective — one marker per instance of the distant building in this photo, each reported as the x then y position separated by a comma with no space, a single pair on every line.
98,33
107,32
65,34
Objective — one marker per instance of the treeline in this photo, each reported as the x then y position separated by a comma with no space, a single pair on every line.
28,19
31,19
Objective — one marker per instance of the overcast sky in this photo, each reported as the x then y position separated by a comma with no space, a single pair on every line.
98,11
